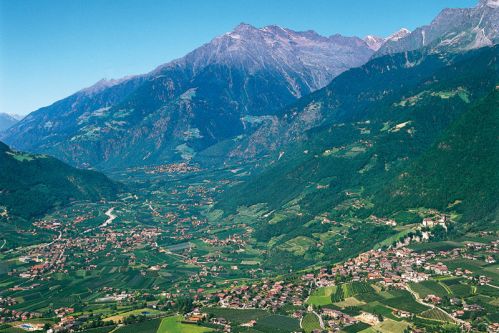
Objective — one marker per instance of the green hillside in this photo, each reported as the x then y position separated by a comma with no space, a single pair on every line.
458,172
31,185
372,145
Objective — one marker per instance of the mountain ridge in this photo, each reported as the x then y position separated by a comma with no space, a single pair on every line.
453,29
214,92
42,183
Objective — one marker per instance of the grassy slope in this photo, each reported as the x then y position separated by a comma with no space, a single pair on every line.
31,184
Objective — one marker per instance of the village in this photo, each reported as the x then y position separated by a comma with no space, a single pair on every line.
390,269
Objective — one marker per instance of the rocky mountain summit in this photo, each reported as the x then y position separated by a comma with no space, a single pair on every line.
218,91
454,29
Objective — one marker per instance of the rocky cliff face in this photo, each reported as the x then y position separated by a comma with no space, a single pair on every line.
454,29
221,90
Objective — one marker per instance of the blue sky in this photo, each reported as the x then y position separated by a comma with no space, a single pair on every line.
50,49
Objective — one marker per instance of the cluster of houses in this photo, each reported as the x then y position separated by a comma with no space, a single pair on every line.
267,295
172,168
394,267
336,319
8,315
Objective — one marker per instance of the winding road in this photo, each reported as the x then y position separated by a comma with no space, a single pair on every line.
109,220
55,240
110,217
420,301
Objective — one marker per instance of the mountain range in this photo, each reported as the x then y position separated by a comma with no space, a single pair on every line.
8,120
269,181
221,90
296,101
456,29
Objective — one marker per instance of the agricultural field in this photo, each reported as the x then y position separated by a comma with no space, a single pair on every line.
436,314
236,315
379,309
391,326
478,267
321,296
310,322
457,287
429,287
148,326
175,325
349,302
436,246
277,323
140,312
370,300
358,327
403,300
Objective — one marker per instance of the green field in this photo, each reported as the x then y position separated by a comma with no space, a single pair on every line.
436,314
378,308
391,326
237,316
277,324
403,300
321,296
144,312
149,326
360,326
435,246
429,287
13,330
174,325
310,322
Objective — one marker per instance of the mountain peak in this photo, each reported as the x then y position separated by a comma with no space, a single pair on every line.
489,3
249,71
104,83
241,27
453,29
403,32
374,42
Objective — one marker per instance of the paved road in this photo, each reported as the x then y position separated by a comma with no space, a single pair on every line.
320,319
55,240
420,301
110,217
109,220
321,322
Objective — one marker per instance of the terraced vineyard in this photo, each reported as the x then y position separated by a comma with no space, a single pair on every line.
436,314
403,300
310,322
429,287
